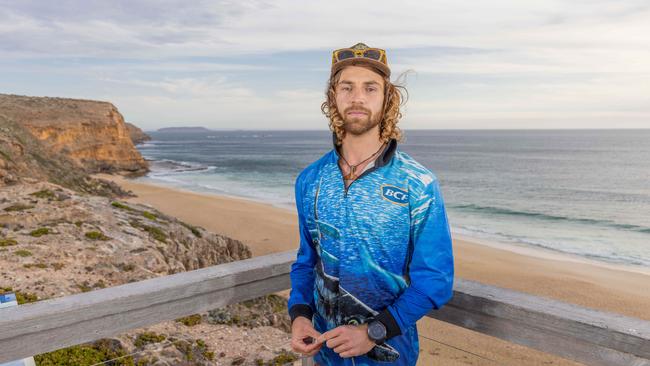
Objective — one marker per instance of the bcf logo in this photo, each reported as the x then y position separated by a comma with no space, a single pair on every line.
394,194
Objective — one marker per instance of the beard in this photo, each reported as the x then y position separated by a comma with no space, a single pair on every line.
358,125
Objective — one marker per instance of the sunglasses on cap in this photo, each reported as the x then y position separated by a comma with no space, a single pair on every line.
376,54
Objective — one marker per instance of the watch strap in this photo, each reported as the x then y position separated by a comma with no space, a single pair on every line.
387,319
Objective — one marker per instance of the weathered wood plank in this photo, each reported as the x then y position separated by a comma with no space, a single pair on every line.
585,335
53,324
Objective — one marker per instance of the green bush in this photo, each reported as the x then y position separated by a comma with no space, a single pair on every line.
155,232
45,193
126,267
96,235
6,156
18,207
85,286
7,242
39,232
149,215
23,253
120,205
191,320
147,338
193,350
87,354
283,358
193,229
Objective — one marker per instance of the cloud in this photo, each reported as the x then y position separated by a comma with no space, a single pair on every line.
248,61
234,28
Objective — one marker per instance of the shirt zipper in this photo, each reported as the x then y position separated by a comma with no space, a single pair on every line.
357,178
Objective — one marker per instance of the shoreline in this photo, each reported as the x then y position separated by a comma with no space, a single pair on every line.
609,287
550,275
522,249
550,254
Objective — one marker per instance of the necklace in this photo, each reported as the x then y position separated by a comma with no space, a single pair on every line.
351,175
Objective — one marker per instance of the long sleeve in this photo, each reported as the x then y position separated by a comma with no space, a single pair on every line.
431,267
301,298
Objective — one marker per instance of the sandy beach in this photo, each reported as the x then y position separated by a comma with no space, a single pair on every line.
267,229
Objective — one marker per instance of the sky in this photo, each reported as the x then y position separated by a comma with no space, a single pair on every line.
264,64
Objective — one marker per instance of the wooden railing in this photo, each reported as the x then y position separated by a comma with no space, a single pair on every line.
584,335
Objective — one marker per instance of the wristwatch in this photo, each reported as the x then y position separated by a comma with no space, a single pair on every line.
377,331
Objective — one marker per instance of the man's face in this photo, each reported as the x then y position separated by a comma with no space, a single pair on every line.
359,99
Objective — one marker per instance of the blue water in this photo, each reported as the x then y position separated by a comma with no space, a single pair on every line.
581,192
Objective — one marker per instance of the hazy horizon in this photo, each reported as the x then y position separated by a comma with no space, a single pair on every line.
404,129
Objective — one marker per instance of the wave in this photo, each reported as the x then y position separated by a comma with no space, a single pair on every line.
167,166
542,216
585,250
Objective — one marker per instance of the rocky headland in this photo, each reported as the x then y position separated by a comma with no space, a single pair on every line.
137,135
64,232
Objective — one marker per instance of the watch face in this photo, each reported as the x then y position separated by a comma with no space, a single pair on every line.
376,330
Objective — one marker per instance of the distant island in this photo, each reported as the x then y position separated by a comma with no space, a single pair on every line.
184,129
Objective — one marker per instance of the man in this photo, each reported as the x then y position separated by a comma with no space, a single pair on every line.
375,249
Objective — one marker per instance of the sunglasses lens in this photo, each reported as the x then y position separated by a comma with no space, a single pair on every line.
373,54
345,54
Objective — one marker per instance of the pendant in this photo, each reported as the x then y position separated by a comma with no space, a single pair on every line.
350,175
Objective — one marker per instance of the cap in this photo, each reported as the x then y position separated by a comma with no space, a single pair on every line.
360,54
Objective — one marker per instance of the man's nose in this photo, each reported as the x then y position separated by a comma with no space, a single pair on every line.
358,96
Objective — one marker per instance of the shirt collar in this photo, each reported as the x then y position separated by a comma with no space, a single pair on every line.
382,159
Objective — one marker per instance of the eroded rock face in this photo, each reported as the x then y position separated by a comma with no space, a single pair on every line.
91,133
24,159
137,135
56,242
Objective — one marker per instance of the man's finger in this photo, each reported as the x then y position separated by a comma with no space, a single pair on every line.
331,333
343,348
314,351
313,333
319,340
298,346
311,346
348,353
336,341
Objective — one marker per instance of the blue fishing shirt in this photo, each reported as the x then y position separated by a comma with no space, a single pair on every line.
380,249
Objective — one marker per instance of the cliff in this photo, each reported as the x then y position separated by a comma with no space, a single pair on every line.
23,158
91,133
57,240
137,135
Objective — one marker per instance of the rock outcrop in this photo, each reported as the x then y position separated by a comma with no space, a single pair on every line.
137,135
104,239
56,242
90,133
23,158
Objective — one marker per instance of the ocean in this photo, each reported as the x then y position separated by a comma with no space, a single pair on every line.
580,192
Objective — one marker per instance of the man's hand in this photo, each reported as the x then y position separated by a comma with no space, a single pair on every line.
301,331
348,340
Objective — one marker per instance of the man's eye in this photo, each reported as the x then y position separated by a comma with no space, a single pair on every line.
346,88
371,89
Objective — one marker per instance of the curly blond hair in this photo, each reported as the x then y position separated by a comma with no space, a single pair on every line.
393,100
